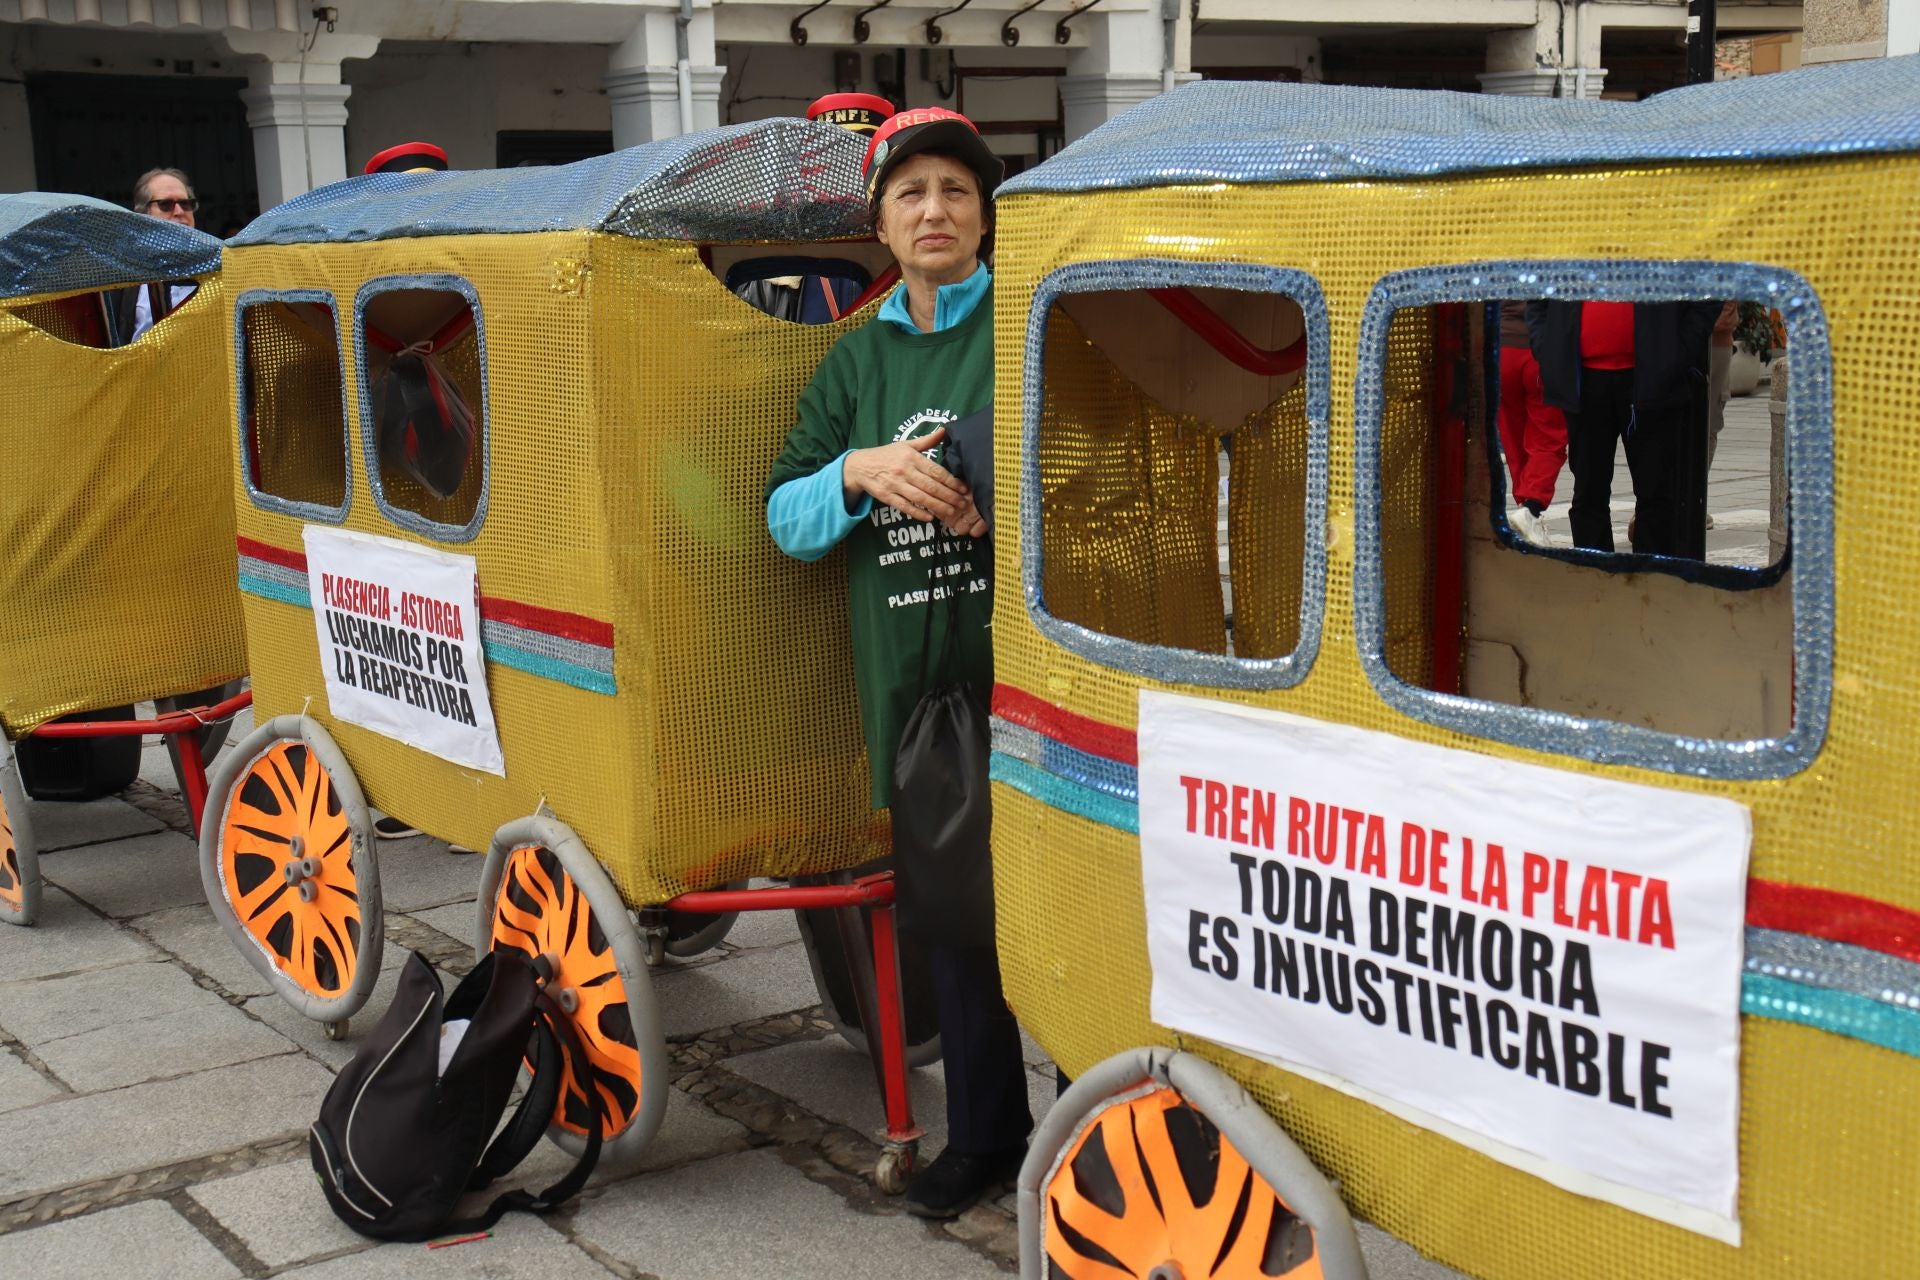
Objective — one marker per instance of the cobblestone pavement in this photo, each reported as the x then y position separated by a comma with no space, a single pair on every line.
154,1097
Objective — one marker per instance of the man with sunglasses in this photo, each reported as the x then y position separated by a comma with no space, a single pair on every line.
166,194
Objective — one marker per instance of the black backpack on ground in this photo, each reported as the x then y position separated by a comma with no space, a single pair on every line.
398,1141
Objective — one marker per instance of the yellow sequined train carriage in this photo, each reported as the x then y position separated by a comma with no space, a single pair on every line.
1266,639
501,442
118,582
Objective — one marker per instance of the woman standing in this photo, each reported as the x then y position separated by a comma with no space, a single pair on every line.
863,466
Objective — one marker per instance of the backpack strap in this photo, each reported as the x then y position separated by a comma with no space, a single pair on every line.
554,1025
528,1124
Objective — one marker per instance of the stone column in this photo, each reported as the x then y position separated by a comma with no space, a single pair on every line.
1123,64
299,129
1522,62
643,77
298,111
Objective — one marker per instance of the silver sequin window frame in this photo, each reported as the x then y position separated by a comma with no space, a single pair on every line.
1809,446
243,405
1159,662
412,521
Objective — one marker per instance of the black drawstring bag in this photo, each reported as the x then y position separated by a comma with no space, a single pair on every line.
942,809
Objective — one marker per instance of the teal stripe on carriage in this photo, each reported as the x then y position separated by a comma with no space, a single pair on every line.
1068,797
1840,1012
539,664
263,586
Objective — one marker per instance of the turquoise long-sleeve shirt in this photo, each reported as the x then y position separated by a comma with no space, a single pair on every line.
809,516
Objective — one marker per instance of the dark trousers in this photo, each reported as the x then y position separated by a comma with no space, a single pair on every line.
1653,440
987,1109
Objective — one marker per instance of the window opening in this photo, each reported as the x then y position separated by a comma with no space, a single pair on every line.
1583,507
80,319
423,406
1174,445
804,283
293,420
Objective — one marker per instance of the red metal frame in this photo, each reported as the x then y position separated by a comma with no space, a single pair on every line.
1229,341
179,725
874,893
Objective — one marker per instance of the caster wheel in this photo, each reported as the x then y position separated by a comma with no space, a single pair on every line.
286,857
336,1030
893,1170
19,860
1156,1164
542,893
656,948
691,933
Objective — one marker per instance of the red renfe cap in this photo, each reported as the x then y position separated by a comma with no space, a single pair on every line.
408,157
860,112
920,129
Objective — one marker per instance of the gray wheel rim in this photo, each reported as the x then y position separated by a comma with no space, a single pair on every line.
629,954
220,792
25,852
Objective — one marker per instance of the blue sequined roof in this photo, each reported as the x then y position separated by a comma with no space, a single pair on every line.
781,179
1240,132
52,243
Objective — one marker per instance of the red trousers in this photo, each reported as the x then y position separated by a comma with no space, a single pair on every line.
1533,434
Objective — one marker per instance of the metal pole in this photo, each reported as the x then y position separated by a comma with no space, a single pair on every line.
1702,23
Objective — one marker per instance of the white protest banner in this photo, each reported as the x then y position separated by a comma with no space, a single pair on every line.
1540,962
399,629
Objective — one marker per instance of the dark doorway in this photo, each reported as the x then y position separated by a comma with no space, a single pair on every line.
94,135
516,148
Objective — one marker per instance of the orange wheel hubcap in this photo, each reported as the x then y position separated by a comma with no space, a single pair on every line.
13,893
286,861
1153,1188
541,911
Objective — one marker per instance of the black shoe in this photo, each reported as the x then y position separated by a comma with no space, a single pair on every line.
393,829
951,1184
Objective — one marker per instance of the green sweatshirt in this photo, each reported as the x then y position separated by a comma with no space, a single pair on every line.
906,580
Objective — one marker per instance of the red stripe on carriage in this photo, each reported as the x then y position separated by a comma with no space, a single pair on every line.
1111,742
272,554
553,622
1835,916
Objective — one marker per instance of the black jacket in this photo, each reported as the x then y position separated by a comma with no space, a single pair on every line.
1669,350
120,305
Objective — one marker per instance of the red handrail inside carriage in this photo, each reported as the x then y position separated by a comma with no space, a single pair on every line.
1229,341
881,283
446,333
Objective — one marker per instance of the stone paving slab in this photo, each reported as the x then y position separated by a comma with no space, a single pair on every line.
66,938
64,826
312,1037
456,920
130,877
689,1131
196,938
78,1139
1391,1258
21,1085
418,873
279,1213
757,929
752,1215
520,1247
197,1039
750,984
831,1080
41,1010
147,1241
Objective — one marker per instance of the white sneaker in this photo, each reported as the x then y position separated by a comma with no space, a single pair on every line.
1529,526
1709,519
